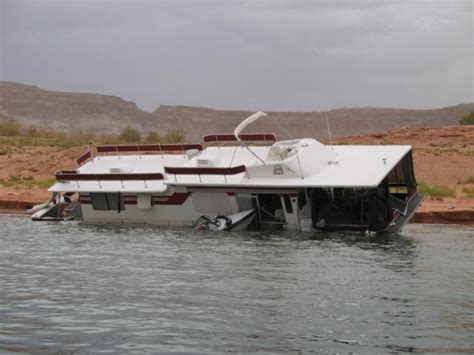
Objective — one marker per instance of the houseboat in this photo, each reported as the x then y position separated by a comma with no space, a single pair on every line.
240,181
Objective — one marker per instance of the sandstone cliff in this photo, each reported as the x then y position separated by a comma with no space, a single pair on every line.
64,111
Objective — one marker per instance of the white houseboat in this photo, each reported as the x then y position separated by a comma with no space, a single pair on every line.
240,181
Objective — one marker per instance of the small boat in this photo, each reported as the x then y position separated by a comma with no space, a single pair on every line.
57,208
234,222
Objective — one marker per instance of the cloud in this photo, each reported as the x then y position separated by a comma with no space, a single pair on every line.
295,55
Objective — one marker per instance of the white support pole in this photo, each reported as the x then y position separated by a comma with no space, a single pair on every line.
242,126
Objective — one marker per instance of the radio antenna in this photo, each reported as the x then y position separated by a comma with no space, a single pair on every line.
329,129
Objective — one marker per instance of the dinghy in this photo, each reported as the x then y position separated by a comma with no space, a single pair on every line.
234,222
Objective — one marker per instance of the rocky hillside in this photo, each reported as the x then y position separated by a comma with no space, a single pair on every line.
343,122
62,111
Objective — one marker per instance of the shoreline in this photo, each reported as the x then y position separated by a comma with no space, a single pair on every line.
443,159
426,216
459,217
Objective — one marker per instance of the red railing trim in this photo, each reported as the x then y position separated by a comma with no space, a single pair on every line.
143,148
83,157
67,175
205,171
247,137
127,148
67,172
106,148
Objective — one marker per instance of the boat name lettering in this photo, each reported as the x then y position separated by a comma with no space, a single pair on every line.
278,170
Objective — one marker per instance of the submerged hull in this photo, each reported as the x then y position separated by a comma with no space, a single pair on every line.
280,209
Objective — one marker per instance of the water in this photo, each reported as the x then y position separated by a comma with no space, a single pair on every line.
69,287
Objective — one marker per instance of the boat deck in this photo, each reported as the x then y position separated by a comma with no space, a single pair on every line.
354,166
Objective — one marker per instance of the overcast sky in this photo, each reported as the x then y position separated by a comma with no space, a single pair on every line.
269,55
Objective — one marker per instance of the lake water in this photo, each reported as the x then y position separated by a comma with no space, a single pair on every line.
71,287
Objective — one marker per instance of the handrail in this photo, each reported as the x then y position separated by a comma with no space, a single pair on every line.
205,171
67,171
248,137
148,148
84,157
68,175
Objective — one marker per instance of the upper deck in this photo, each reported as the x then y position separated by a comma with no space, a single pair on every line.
297,163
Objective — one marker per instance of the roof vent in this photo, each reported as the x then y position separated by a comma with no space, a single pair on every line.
206,161
120,170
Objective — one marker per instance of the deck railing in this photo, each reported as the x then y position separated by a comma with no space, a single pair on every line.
249,137
83,158
74,175
204,171
147,148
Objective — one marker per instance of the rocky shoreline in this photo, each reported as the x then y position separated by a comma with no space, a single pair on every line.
461,217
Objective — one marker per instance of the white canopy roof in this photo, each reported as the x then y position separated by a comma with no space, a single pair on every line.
353,166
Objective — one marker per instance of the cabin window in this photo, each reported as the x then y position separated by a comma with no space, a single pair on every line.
107,202
288,205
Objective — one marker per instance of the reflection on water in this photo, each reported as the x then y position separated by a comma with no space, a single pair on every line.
82,288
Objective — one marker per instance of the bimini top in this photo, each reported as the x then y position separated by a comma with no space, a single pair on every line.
293,163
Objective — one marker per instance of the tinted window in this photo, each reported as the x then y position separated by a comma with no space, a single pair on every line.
114,201
107,201
99,201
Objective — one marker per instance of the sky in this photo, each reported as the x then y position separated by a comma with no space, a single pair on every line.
256,55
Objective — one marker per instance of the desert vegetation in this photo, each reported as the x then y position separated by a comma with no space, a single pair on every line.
13,134
436,190
26,181
468,119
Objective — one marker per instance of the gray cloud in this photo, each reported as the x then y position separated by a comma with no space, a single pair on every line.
274,55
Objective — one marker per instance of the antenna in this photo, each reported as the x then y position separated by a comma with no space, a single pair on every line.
329,129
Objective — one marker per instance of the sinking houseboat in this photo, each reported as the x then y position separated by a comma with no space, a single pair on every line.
240,181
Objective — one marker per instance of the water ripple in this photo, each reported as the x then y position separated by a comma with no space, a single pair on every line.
71,287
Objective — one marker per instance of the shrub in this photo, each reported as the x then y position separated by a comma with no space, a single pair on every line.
30,182
10,128
174,137
130,135
44,183
436,191
31,131
469,192
12,134
468,119
470,180
15,178
153,137
83,136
